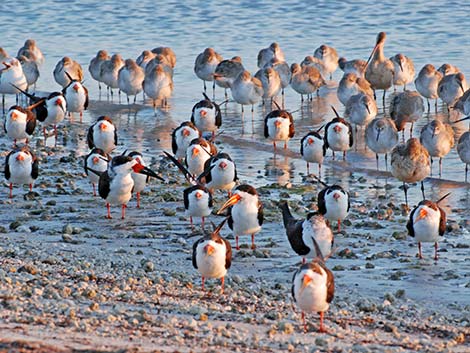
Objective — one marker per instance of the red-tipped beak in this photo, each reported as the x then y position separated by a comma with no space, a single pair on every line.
137,168
58,101
95,160
20,157
103,126
203,113
14,115
310,141
306,280
422,214
336,196
195,152
186,132
337,129
230,202
222,165
198,195
209,249
76,87
277,124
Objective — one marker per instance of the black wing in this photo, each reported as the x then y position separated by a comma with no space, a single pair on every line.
30,123
325,138
35,168
186,193
330,284
174,146
115,137
195,245
41,112
260,213
442,222
7,166
228,254
266,132
409,224
85,106
104,185
89,137
218,115
229,218
321,201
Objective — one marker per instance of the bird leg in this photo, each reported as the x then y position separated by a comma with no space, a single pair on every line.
55,135
383,100
386,162
429,105
431,165
420,256
285,145
405,188
81,117
440,167
44,133
303,260
344,155
123,211
435,252
94,189
30,187
108,206
308,169
222,283
422,190
322,328
319,170
202,285
377,160
333,155
411,130
274,145
339,225
202,222
138,199
11,190
303,322
253,246
213,90
205,88
466,171
236,242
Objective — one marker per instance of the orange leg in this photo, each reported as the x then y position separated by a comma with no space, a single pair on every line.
138,200
81,117
123,211
236,242
253,246
303,322
339,225
419,251
108,206
222,283
202,283
274,145
191,222
30,187
322,328
303,260
285,145
11,190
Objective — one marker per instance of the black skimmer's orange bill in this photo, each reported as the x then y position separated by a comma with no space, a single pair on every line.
245,212
181,137
338,135
313,288
301,232
20,122
220,172
116,183
206,116
427,223
205,65
333,203
311,149
21,167
140,180
102,134
381,136
279,126
96,160
212,256
76,95
95,66
65,68
198,152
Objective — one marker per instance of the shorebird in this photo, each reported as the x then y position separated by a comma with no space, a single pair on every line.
438,138
140,180
20,122
197,153
311,149
313,290
403,70
30,70
227,71
76,95
350,85
219,173
306,80
205,65
97,160
144,58
270,81
267,54
51,112
302,232
448,69
427,223
314,62
379,71
356,66
168,53
279,126
181,137
130,79
31,51
102,134
245,212
12,79
158,85
206,116
159,59
427,82
333,203
247,90
338,136
463,147
21,167
410,163
283,69
360,109
406,107
329,57
109,72
212,256
381,137
463,103
95,66
69,66
451,88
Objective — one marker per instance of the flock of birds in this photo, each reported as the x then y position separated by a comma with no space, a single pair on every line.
207,170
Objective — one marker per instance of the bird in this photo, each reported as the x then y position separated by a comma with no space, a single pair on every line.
314,62
247,90
380,70
361,108
158,86
448,69
212,256
333,203
410,163
351,85
69,66
95,66
451,88
406,107
97,160
311,149
245,212
3,54
206,116
110,71
76,95
30,70
21,167
182,136
438,138
270,81
205,65
144,58
265,55
115,184
426,83
427,223
302,232
338,136
20,122
313,289
463,103
305,80
403,70
140,180
130,79
463,147
12,79
220,172
227,71
168,53
279,126
356,66
381,136
102,134
283,69
159,59
31,51
197,153
329,57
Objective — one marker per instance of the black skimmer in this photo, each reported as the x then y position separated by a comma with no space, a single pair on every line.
20,122
102,134
313,288
115,184
406,107
338,135
333,203
427,223
21,167
301,232
140,180
410,163
220,172
381,137
96,160
130,79
198,152
245,212
181,137
206,116
311,149
212,256
95,66
329,58
279,126
65,69
76,95
205,65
